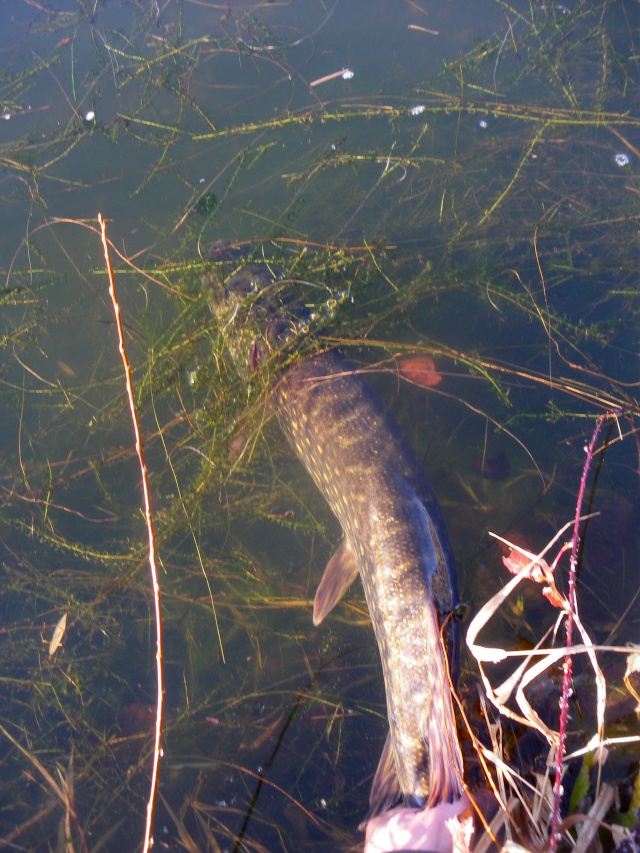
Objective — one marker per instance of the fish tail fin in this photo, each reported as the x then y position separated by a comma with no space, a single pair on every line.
385,790
445,757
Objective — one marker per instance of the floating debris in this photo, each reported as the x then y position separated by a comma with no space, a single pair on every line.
58,635
423,29
345,73
621,159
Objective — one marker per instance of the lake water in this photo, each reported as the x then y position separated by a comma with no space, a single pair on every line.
456,180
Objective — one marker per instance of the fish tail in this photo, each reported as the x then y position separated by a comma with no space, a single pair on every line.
445,757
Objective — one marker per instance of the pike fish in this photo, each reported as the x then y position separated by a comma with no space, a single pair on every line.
394,533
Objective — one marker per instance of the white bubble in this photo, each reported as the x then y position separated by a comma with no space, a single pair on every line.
90,116
417,110
348,74
621,159
483,124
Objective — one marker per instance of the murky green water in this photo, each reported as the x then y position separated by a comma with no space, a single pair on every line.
471,193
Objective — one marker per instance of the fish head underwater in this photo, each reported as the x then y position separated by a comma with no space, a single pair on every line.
258,313
250,315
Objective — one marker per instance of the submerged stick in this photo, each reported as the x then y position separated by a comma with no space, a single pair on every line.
157,751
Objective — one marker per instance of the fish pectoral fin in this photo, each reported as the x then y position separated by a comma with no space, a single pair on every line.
385,790
340,573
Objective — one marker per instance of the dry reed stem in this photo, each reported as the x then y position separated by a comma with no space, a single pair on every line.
588,829
157,751
61,791
525,673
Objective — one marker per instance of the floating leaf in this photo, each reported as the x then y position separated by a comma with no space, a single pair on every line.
554,597
518,559
420,369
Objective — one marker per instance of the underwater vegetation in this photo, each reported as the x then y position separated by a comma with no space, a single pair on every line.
468,234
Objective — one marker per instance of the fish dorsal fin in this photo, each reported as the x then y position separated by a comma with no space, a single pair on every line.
385,790
340,573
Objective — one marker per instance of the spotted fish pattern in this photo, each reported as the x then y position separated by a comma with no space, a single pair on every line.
395,538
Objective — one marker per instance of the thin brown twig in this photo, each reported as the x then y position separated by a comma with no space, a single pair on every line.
152,544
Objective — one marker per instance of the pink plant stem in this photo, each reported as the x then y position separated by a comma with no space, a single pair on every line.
567,667
157,751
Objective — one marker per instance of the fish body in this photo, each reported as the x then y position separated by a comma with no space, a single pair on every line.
395,538
364,466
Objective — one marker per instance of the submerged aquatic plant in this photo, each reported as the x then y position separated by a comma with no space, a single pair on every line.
483,221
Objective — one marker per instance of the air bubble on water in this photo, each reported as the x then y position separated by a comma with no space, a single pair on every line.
621,159
348,74
417,110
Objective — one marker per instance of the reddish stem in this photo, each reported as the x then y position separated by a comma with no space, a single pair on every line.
568,661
